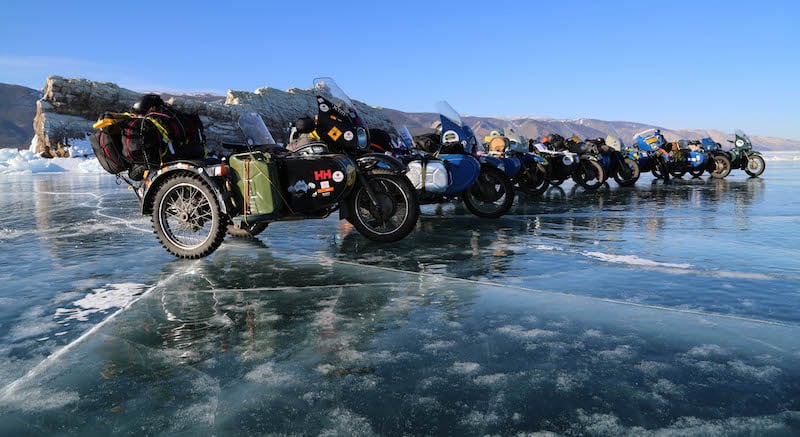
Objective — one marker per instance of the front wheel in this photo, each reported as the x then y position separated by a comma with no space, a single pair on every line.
589,174
394,213
722,167
491,195
755,166
629,174
534,178
187,217
661,169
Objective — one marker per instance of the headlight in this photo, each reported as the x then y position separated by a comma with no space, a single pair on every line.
363,141
567,159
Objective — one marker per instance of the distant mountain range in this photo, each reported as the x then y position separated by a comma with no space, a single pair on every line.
18,108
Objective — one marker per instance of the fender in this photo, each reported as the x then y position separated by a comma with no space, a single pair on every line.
149,188
754,152
375,161
491,160
538,159
589,158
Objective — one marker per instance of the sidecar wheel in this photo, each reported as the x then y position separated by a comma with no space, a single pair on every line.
755,166
491,195
246,231
633,173
722,167
187,217
677,173
697,172
395,214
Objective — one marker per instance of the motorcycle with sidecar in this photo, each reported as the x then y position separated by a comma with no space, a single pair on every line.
193,203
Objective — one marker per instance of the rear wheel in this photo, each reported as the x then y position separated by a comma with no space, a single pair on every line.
755,166
589,174
187,217
629,174
392,216
722,167
491,195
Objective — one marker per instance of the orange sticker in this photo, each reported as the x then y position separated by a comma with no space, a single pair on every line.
334,133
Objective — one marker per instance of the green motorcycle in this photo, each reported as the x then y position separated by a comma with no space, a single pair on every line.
741,156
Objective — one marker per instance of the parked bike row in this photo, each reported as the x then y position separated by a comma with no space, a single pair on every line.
377,182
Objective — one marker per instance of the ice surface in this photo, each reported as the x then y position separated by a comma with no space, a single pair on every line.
665,310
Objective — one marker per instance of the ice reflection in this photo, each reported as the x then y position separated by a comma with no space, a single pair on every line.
378,352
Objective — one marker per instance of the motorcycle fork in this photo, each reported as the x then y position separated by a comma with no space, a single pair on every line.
370,193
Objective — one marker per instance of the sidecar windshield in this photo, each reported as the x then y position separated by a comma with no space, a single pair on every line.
254,130
328,88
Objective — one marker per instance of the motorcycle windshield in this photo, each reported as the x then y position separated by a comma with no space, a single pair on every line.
742,140
452,128
614,139
512,134
254,130
327,88
445,110
707,142
406,138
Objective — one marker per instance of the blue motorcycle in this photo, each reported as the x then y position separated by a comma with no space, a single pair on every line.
608,151
654,157
533,177
442,168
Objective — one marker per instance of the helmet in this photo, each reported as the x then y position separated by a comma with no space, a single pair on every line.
147,102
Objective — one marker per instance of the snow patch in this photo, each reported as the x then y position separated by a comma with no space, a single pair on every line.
634,260
101,300
34,399
465,368
516,331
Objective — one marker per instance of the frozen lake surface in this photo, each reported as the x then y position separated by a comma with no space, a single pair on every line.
657,309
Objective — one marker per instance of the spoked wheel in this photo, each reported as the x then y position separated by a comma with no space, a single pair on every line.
722,167
246,230
677,173
491,195
589,174
187,217
755,166
534,178
392,216
628,174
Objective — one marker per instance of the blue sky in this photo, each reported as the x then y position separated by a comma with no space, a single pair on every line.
677,64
